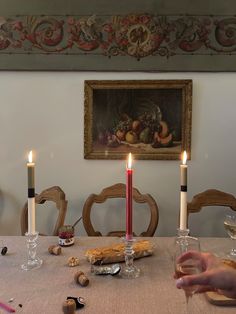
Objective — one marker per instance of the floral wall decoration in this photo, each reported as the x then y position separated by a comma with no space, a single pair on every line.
85,38
132,35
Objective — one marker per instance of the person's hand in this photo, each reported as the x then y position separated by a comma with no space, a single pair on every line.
215,275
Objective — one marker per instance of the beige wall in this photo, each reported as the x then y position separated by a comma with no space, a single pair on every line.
44,111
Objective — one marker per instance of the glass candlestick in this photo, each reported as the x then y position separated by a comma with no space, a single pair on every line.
32,260
182,232
129,271
182,237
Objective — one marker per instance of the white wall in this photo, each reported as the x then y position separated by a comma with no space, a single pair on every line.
44,111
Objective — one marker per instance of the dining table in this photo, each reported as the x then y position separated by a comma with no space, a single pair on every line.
43,290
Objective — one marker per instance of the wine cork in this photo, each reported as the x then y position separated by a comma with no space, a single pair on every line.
69,306
81,279
54,249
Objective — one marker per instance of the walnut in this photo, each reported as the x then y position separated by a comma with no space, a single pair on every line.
73,261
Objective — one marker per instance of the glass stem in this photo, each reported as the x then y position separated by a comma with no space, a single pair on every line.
189,303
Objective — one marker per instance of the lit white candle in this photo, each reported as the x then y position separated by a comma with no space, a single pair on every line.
183,192
31,194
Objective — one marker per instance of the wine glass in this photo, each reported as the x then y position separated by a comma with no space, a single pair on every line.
189,266
230,227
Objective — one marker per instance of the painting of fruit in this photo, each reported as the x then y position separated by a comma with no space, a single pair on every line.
151,119
164,130
146,125
137,126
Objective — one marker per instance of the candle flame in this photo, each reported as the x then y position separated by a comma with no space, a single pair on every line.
129,165
184,157
30,156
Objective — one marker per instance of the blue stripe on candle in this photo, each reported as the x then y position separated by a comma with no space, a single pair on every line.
31,192
183,188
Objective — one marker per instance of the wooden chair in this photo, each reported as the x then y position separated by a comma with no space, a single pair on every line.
54,194
119,191
211,197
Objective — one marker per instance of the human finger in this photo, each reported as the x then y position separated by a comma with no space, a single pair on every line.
199,279
202,289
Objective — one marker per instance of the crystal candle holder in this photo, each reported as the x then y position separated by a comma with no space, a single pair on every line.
182,232
33,261
184,240
129,271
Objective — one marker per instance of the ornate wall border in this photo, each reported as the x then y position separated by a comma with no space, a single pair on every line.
124,41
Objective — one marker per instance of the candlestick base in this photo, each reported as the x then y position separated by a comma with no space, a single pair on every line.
33,261
183,240
182,232
129,271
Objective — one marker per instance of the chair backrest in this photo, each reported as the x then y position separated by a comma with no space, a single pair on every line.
211,197
119,191
54,194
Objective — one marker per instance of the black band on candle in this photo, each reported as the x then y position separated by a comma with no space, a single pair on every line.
31,192
183,188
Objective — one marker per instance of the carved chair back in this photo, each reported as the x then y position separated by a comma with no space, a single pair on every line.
211,197
119,191
54,194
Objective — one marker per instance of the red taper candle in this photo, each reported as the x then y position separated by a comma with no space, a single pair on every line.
129,198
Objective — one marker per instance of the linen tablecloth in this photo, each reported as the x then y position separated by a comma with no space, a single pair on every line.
43,290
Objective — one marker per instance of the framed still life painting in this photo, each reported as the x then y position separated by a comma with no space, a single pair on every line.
149,118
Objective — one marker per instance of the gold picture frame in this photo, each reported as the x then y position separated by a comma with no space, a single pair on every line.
149,118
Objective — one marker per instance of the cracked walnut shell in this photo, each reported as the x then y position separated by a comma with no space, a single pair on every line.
73,261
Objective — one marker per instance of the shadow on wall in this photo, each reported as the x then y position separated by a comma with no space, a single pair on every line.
11,217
